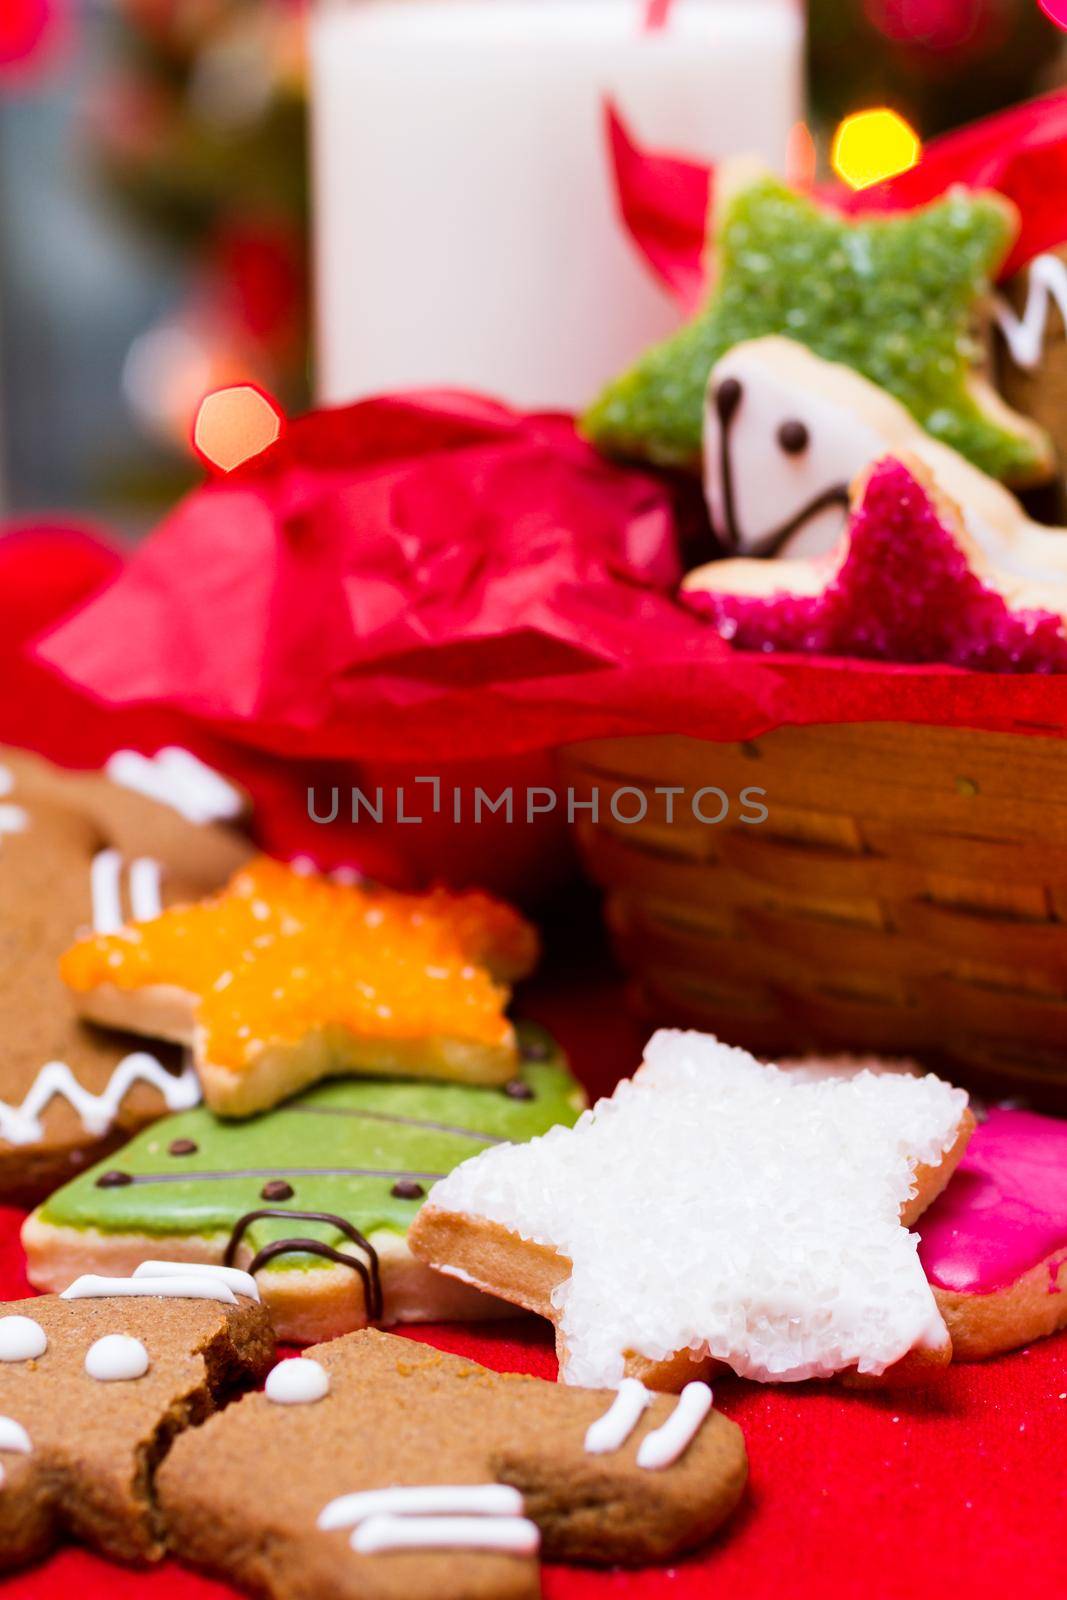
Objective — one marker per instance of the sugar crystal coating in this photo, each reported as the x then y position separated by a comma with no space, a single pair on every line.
905,592
717,1205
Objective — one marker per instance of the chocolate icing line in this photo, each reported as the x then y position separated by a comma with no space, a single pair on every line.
728,398
369,1274
389,1116
190,1175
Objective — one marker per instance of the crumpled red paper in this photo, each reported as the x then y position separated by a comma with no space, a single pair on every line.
439,579
1021,153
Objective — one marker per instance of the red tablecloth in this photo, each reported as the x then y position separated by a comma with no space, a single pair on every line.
956,1488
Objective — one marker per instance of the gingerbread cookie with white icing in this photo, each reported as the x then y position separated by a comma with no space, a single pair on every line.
94,1387
80,851
315,1197
1030,317
716,1211
423,1474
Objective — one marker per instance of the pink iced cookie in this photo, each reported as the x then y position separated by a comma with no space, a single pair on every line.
994,1243
906,583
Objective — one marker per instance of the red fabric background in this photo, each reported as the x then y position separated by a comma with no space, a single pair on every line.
956,1489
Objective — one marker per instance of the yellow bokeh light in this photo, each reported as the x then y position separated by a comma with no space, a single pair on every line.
870,146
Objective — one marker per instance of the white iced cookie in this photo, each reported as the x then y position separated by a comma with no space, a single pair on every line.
785,436
715,1209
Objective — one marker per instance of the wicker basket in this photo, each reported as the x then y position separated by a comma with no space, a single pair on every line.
907,893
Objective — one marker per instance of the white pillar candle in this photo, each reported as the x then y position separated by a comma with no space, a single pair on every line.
465,224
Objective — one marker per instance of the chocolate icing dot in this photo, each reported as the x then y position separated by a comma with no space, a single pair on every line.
182,1147
794,437
535,1048
517,1089
113,1179
277,1189
407,1189
728,398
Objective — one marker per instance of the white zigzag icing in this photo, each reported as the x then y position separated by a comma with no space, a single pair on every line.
22,1124
1025,335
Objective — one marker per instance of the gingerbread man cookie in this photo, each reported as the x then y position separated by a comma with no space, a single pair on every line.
83,851
94,1386
284,978
422,1474
716,1210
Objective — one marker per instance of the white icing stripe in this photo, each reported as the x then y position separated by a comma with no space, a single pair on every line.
611,1431
240,1282
471,1499
193,1287
13,819
13,1436
514,1535
662,1448
1025,335
176,778
105,885
146,889
116,1358
22,1124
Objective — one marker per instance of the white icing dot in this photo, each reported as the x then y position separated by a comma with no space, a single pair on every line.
297,1382
13,1436
116,1357
21,1339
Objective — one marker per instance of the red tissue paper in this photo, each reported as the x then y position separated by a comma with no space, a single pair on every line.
439,579
1021,153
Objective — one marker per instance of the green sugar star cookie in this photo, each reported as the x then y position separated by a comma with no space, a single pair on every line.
898,298
358,1155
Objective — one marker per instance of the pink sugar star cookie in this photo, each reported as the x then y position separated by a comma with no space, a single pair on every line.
906,583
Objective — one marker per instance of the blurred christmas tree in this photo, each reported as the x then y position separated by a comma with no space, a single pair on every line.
940,62
199,131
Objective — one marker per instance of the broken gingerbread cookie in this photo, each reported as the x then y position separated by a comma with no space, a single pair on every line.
716,1211
284,978
425,1474
82,851
315,1197
95,1385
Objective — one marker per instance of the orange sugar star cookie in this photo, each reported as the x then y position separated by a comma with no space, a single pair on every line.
284,978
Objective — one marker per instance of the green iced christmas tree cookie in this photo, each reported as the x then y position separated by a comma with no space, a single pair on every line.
315,1196
898,298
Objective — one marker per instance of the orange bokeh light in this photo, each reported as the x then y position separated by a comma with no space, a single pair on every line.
870,146
235,424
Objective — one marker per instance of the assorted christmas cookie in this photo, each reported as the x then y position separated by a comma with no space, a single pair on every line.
716,1210
786,434
907,582
994,1244
314,1198
899,298
284,978
1031,318
422,1474
94,1387
81,852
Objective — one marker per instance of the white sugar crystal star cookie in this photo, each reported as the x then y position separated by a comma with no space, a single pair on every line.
715,1210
